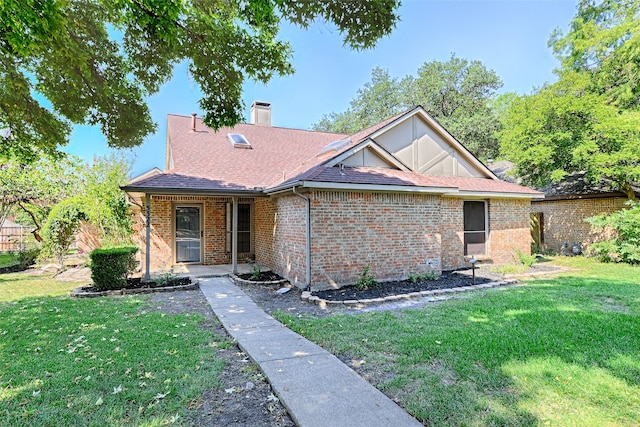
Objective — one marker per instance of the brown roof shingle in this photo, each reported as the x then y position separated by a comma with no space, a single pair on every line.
275,152
379,176
206,161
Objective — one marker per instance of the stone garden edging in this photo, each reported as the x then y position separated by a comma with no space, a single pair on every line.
306,295
237,280
79,293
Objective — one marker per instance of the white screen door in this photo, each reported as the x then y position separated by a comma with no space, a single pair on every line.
188,234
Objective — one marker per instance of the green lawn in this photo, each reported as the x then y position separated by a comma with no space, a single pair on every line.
7,259
104,361
556,351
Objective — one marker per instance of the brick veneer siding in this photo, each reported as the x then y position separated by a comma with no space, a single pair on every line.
452,227
509,229
265,217
564,219
288,229
394,234
162,229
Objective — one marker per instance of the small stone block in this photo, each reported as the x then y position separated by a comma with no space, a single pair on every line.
377,300
350,301
427,292
305,295
332,302
282,291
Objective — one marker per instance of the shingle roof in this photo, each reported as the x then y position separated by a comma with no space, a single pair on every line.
206,161
577,184
379,176
275,152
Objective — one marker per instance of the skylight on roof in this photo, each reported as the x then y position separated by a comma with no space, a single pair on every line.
238,140
334,146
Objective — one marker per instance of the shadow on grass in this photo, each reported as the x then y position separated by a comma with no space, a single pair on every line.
564,350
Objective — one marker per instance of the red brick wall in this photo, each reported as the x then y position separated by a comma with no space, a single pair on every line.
162,238
265,228
289,230
394,234
452,230
564,219
509,229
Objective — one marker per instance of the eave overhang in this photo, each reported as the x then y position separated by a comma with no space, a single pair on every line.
131,189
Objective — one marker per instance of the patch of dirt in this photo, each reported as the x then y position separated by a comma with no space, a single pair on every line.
244,398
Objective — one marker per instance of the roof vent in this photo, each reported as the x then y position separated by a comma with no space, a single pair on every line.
261,113
334,146
193,122
238,140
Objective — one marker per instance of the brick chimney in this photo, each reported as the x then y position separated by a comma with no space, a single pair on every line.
261,113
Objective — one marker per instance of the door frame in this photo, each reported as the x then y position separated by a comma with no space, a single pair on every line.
174,246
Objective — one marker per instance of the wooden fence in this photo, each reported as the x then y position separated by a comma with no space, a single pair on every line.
13,238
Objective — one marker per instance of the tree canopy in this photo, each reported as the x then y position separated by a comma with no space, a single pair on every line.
95,61
29,190
588,119
457,93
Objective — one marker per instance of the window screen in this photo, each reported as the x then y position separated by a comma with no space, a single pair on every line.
474,228
244,228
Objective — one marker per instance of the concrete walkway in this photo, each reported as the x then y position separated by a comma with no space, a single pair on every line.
315,386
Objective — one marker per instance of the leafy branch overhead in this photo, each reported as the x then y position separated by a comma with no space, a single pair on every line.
588,119
95,62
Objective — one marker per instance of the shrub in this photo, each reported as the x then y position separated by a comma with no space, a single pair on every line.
110,267
427,275
366,279
623,229
61,226
27,257
256,271
526,260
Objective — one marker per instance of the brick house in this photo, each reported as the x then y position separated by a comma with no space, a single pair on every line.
558,220
402,196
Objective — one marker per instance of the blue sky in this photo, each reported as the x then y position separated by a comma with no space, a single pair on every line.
508,36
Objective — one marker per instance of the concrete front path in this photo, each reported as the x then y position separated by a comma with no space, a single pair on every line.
315,386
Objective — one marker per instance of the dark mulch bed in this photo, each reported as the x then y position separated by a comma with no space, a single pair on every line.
265,276
137,283
447,280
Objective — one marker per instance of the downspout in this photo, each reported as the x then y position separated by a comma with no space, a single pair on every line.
307,239
147,254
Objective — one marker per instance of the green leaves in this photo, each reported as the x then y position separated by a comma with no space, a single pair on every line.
87,62
457,93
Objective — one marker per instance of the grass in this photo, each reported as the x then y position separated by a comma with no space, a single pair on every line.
558,351
105,361
7,259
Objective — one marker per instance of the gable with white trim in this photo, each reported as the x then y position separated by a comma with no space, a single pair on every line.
423,146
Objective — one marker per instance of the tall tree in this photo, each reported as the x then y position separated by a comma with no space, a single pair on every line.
457,93
31,189
604,42
102,202
587,120
95,61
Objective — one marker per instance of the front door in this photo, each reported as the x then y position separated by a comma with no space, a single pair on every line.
188,234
